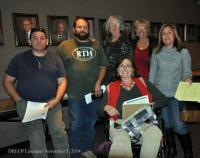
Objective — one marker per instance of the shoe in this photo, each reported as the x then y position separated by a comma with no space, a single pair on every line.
89,154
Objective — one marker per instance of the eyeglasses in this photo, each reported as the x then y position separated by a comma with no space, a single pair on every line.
128,67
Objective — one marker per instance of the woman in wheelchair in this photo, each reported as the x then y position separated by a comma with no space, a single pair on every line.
125,88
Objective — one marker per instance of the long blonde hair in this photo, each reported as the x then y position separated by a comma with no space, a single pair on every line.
177,40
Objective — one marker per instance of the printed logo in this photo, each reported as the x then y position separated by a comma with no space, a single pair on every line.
84,53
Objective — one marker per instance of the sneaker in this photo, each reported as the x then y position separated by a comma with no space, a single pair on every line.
89,154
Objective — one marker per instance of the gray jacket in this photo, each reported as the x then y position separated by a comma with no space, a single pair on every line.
168,67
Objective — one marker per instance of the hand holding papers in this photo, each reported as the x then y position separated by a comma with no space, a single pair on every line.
137,115
91,96
34,111
187,92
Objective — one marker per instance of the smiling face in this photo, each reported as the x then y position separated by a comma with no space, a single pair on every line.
125,69
114,27
27,25
168,37
141,31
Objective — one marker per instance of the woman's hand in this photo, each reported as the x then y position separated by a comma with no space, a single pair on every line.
189,80
111,110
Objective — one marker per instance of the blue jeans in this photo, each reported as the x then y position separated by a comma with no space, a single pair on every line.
170,114
82,119
36,134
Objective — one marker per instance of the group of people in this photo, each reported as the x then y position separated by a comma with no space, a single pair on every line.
129,68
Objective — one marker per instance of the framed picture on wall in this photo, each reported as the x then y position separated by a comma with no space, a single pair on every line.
181,31
198,33
23,23
102,31
190,32
155,27
92,27
1,31
58,27
129,32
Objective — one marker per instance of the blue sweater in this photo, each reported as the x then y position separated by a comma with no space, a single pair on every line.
168,67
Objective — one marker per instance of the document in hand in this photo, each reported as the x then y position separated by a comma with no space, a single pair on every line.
187,92
131,106
136,121
34,111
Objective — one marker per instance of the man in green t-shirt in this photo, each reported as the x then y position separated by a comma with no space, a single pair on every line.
85,64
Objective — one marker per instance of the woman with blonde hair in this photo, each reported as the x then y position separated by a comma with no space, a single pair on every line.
142,46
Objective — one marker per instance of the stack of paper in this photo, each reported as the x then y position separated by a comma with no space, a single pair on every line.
187,92
131,106
34,111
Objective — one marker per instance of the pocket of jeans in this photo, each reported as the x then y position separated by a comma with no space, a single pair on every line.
21,108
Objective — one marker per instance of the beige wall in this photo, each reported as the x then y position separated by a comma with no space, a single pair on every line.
176,11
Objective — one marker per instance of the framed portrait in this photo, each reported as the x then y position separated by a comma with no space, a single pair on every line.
129,31
181,31
58,27
198,33
23,23
190,32
92,27
155,27
102,31
1,31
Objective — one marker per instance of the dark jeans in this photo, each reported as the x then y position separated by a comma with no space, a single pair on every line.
170,114
82,119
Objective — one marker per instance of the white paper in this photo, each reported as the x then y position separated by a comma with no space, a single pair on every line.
140,100
34,111
88,97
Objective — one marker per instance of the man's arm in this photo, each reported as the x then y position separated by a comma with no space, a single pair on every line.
62,85
102,73
9,86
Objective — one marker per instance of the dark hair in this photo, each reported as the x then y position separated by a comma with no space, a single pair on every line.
82,18
38,30
121,59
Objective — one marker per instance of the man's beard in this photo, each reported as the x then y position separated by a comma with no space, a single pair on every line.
82,35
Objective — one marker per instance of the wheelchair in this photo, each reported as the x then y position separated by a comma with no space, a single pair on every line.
103,148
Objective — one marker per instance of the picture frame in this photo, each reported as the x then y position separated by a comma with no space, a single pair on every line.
58,28
190,32
198,33
102,31
92,27
1,31
155,28
129,31
181,31
23,23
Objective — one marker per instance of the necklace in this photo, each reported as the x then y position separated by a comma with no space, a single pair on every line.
128,86
39,61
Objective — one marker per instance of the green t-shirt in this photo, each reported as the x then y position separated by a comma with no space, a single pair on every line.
82,63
